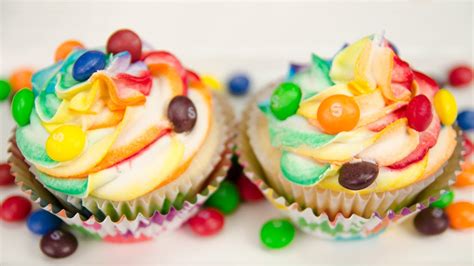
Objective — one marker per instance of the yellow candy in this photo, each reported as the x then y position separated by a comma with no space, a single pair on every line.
65,143
445,106
211,82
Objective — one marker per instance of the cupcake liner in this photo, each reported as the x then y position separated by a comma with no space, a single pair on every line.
344,215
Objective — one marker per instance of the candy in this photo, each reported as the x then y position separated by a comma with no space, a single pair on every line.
87,64
466,120
65,143
58,244
15,208
358,175
468,146
466,177
226,198
6,178
238,84
461,215
338,113
211,82
65,48
21,78
445,106
277,233
431,221
22,106
5,89
419,113
248,191
460,76
182,113
207,222
444,200
285,100
125,40
42,222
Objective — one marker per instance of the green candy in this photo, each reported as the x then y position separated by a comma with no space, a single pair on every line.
285,100
22,106
277,233
444,200
5,89
226,198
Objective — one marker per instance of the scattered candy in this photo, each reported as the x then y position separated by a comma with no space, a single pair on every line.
358,175
15,208
277,233
460,76
58,244
207,222
431,221
87,64
239,84
22,106
468,146
226,198
65,143
182,113
419,113
285,100
248,190
5,89
338,113
125,40
65,48
211,82
21,78
445,106
466,177
6,178
444,200
461,215
42,222
466,120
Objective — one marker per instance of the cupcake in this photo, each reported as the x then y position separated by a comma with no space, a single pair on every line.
119,140
343,141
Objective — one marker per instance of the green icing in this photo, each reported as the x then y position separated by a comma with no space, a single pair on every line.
65,78
314,79
300,170
47,105
69,186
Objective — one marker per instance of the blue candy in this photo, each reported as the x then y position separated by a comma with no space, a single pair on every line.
466,120
42,222
239,84
87,64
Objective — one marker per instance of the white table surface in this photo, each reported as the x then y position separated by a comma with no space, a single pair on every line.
29,32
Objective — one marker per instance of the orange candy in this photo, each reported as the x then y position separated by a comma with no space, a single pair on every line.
466,177
461,215
21,78
65,48
338,113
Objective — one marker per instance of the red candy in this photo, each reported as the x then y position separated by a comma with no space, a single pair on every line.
6,178
468,146
248,191
419,113
15,208
207,222
125,40
460,76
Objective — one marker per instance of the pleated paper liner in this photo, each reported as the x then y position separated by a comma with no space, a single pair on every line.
141,219
338,215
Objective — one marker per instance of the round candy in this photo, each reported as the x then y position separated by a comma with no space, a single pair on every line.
277,233
182,113
460,76
211,82
65,143
239,84
285,100
466,177
65,48
42,222
87,64
431,221
445,106
461,215
226,198
207,222
5,89
468,146
358,175
21,78
6,178
125,40
444,200
22,106
58,244
15,208
338,113
248,190
419,113
466,120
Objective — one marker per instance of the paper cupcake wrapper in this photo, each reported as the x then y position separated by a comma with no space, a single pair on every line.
341,221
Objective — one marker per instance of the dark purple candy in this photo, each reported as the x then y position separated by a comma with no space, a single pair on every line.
182,113
431,221
58,244
358,175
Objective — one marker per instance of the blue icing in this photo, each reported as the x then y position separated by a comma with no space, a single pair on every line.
42,79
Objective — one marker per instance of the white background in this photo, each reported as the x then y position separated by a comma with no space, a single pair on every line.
260,39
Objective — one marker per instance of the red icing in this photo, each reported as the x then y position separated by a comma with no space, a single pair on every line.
387,120
427,85
402,76
125,82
